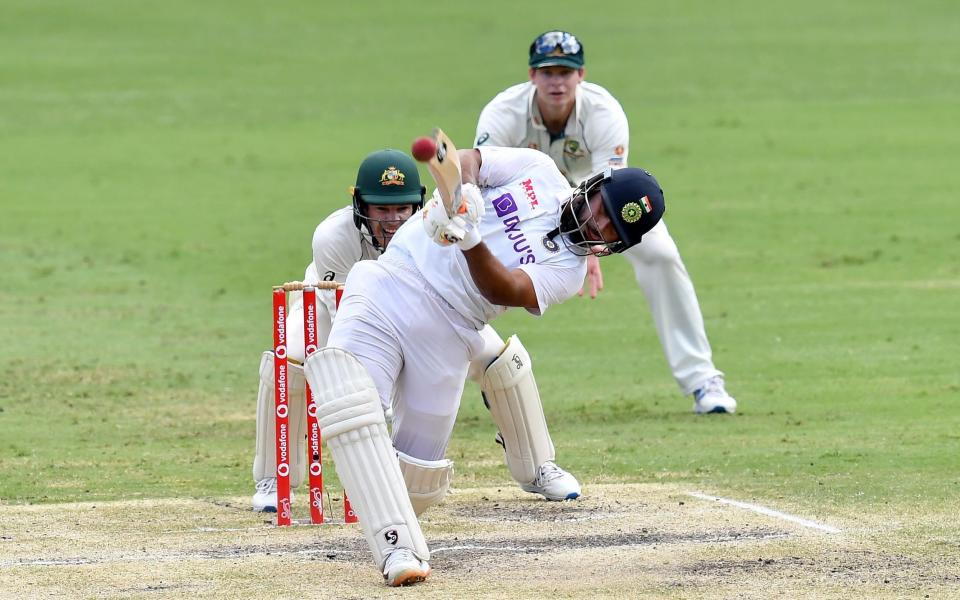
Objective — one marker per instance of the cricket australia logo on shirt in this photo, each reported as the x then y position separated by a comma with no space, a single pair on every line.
506,209
572,148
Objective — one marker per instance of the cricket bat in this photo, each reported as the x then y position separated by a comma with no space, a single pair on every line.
444,167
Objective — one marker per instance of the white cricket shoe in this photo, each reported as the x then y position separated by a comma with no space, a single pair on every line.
553,483
265,498
713,398
404,568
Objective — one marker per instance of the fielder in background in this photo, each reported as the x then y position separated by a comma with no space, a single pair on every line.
387,193
583,128
409,325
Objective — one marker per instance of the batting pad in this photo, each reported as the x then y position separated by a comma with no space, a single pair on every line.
511,394
265,456
352,423
427,480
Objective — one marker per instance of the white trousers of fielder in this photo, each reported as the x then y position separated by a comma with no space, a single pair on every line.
673,304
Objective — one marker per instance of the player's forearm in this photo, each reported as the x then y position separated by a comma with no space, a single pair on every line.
470,162
496,283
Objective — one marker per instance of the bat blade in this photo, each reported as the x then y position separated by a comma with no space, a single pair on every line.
444,167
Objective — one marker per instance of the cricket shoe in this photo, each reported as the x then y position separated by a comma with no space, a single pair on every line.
553,483
265,498
404,568
713,398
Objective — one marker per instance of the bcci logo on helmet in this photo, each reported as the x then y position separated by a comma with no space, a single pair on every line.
633,211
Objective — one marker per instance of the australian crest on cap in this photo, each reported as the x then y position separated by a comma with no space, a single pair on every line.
392,176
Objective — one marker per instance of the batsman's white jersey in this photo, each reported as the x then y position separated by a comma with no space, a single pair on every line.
597,136
523,192
414,318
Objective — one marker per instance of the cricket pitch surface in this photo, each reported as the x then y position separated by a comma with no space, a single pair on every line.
617,541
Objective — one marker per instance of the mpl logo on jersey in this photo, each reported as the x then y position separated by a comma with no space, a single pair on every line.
529,191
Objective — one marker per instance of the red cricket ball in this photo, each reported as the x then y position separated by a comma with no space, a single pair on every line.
423,148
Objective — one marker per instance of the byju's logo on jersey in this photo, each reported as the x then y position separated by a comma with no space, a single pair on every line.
504,205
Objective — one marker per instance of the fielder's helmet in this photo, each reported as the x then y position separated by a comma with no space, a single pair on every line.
385,177
389,177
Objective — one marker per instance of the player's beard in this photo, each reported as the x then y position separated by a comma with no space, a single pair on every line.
573,218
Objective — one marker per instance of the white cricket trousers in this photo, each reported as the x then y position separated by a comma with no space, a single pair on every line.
673,304
414,345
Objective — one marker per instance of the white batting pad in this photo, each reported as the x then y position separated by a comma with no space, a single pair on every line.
511,394
352,423
427,480
265,455
493,344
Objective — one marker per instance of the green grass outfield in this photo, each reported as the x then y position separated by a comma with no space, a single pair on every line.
162,166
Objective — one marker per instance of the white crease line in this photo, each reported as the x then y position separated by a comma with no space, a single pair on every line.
767,511
545,548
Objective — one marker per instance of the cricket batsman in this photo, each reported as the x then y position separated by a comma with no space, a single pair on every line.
409,325
387,192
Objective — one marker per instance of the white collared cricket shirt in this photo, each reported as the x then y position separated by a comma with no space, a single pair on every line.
596,136
523,191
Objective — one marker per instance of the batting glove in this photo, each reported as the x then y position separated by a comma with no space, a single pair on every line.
472,206
466,224
446,231
436,221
